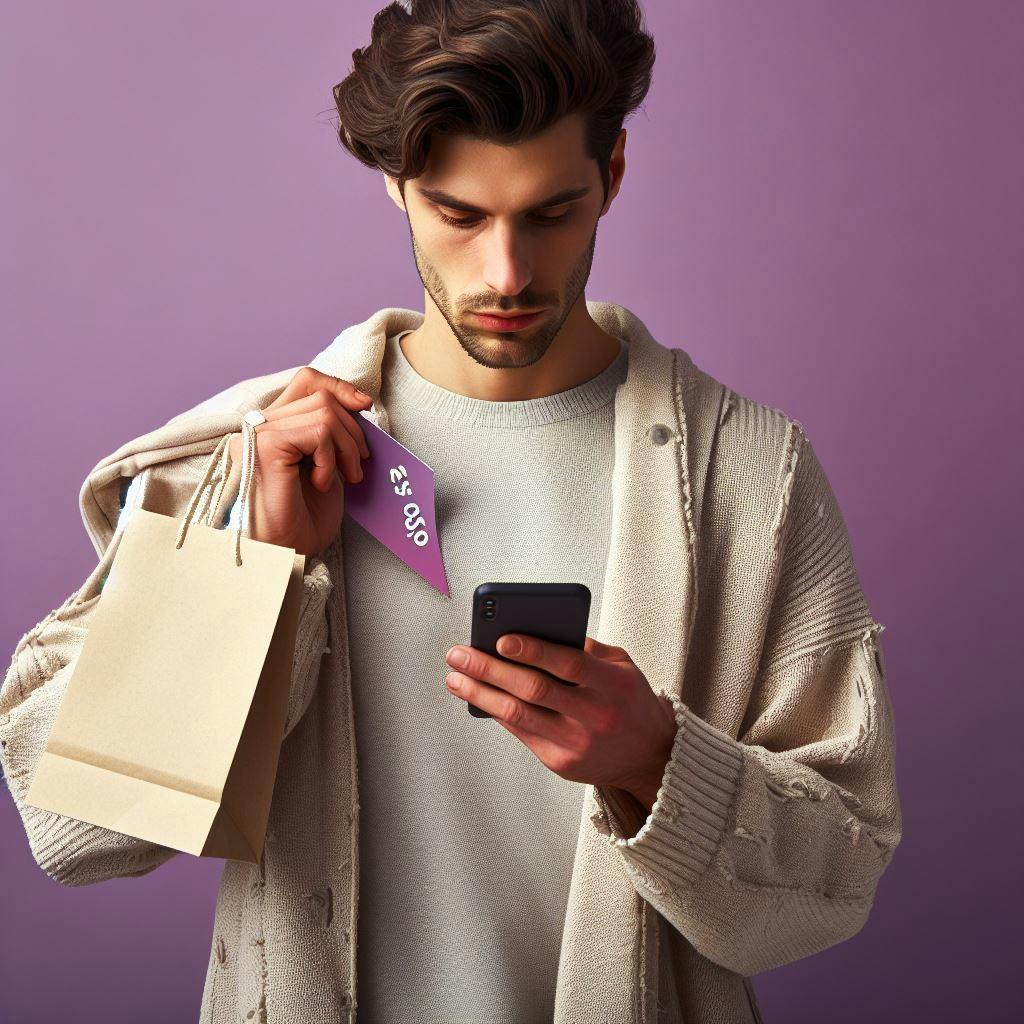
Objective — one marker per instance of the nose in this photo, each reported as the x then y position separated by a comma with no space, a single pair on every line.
508,265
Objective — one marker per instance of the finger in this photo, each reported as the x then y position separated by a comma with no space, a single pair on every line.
325,461
569,663
318,445
326,422
529,739
320,400
545,749
304,433
307,380
526,683
539,721
610,653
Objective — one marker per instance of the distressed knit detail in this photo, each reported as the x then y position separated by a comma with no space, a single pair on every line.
730,582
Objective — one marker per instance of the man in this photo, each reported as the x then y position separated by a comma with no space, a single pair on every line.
716,794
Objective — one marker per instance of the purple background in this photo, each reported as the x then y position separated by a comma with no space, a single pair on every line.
822,204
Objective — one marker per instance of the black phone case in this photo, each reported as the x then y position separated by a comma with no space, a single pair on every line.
557,612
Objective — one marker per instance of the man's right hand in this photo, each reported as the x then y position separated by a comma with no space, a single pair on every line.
308,424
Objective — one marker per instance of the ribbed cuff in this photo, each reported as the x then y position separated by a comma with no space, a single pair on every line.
687,821
76,853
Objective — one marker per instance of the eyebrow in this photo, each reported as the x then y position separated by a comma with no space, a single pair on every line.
442,198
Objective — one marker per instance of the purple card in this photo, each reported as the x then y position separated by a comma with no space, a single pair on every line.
395,502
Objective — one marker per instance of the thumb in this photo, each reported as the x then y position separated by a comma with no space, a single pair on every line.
594,646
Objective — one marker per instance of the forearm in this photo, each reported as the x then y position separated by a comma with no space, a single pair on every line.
70,851
74,852
756,857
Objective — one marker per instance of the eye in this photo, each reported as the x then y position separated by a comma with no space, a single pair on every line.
458,222
470,222
543,219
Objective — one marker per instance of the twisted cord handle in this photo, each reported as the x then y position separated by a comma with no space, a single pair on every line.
249,422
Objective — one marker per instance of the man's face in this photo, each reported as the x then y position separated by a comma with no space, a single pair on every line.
512,248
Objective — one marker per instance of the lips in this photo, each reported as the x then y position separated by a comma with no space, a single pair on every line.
506,323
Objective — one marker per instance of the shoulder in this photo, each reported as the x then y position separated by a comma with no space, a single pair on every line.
749,431
186,439
240,396
753,452
160,469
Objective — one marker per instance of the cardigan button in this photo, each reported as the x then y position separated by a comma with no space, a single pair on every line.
660,433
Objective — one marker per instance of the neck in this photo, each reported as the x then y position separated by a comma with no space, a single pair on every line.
580,351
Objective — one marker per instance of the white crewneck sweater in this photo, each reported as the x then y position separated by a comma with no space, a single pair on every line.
467,838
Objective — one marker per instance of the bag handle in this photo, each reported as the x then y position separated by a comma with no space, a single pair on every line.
248,474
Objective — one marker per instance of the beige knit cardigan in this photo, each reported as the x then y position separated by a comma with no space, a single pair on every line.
729,581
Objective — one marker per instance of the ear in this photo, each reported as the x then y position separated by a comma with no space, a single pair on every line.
616,170
393,191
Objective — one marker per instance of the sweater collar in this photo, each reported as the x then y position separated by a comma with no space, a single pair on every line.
357,354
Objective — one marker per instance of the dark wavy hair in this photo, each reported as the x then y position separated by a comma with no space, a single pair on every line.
497,71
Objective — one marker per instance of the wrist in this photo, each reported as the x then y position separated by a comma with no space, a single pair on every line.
646,793
645,787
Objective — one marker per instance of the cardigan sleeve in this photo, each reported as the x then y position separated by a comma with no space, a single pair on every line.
768,848
74,852
311,639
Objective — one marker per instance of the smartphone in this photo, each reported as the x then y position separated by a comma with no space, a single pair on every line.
557,612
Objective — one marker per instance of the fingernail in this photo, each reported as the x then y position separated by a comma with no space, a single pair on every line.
511,645
363,394
457,658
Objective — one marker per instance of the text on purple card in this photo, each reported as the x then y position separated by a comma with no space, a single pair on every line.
413,519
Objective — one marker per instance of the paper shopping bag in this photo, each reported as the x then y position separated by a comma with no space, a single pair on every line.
171,724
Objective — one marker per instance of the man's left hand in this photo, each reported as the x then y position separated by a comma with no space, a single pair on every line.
609,728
